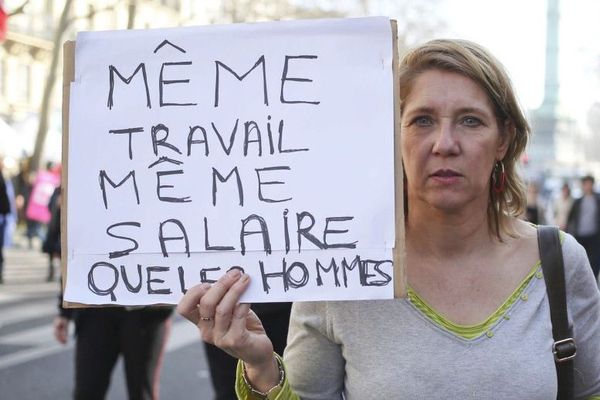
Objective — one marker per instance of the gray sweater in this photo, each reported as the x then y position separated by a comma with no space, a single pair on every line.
388,349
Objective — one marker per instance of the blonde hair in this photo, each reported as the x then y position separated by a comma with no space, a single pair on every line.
473,61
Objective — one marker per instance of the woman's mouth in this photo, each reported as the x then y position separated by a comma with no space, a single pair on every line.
445,173
446,176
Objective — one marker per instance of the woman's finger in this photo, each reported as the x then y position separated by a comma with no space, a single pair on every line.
208,302
240,314
225,309
188,305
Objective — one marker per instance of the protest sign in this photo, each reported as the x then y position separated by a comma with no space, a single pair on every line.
267,147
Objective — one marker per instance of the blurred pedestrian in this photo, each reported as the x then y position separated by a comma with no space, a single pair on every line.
139,334
51,245
22,186
584,222
535,210
562,206
37,214
4,213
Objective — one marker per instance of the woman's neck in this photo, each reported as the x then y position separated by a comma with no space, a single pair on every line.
439,233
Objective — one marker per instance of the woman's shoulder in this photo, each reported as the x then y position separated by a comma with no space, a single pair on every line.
527,232
321,309
574,256
573,252
575,259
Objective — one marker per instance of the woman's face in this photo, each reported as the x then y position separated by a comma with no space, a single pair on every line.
450,142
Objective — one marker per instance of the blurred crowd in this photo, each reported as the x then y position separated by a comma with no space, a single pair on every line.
30,211
577,215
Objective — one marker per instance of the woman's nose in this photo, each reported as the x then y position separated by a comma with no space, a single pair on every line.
446,141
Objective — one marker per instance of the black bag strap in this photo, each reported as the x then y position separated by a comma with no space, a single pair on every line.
564,347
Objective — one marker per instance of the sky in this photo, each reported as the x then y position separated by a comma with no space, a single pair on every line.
515,30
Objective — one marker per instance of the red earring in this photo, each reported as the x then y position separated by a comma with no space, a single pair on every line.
499,177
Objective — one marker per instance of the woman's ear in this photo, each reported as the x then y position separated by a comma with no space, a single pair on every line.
507,135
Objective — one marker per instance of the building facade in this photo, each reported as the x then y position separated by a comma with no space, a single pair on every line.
26,56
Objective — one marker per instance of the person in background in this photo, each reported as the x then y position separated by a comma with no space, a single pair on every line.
584,222
476,321
139,334
5,210
562,206
22,186
535,210
32,227
51,245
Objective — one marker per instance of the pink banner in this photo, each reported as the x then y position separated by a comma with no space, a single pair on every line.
43,187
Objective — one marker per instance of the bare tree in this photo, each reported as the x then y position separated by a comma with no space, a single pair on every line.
131,12
257,10
19,10
417,19
64,23
49,87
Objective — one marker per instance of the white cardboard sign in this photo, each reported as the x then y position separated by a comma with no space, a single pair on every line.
267,147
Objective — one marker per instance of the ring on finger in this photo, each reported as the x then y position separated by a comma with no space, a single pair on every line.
206,318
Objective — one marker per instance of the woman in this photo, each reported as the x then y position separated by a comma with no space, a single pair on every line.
476,321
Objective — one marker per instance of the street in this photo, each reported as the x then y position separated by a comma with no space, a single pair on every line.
34,366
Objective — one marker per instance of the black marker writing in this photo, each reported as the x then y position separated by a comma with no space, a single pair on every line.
207,245
150,280
163,239
263,231
204,278
304,231
227,149
121,253
249,127
284,78
217,175
111,78
128,285
259,172
181,276
166,42
328,231
92,284
162,82
191,140
260,61
286,231
332,267
160,186
130,132
365,275
102,177
280,142
156,129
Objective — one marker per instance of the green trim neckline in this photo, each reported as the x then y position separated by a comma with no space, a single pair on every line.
472,331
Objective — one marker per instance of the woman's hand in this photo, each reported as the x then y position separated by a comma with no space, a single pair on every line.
231,326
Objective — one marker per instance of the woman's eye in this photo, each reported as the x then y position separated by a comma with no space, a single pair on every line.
471,121
423,121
